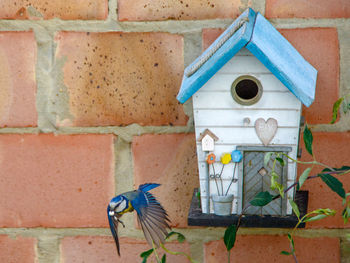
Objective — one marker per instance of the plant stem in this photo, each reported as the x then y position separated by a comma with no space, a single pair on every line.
311,162
222,186
177,253
233,178
217,187
155,252
228,256
293,253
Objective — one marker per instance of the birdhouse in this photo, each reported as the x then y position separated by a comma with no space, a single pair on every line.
247,90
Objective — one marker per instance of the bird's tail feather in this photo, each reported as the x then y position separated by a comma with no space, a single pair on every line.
147,187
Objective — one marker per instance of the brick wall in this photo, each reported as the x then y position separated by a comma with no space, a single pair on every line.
88,110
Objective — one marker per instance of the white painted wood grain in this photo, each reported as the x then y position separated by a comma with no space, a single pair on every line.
213,190
223,82
247,135
224,100
243,64
226,174
209,117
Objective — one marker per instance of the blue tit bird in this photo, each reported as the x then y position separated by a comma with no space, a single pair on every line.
151,215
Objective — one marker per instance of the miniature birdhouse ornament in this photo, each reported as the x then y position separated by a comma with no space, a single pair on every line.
208,140
247,90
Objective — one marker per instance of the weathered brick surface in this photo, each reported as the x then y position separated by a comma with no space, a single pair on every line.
170,160
19,249
17,79
180,10
102,249
122,78
267,249
320,47
331,149
64,9
55,181
307,9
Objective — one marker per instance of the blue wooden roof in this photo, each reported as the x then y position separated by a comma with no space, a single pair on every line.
253,31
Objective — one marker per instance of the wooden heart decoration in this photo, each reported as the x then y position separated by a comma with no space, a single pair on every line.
266,130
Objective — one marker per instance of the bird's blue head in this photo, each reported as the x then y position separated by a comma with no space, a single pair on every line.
118,205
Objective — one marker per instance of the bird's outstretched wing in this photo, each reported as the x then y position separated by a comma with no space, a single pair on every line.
113,224
153,219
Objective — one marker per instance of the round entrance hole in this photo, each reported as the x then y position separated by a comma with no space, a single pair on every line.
246,90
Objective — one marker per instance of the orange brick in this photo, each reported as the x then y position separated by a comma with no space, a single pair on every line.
170,160
209,35
146,10
64,9
122,78
307,9
102,249
333,150
17,79
268,248
20,249
55,181
320,47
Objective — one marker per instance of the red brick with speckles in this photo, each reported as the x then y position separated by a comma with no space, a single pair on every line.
307,9
267,249
55,181
63,9
19,249
320,47
171,160
91,249
122,78
146,10
332,149
17,79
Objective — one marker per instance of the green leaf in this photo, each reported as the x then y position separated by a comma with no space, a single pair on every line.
290,238
308,138
286,253
333,183
280,160
325,211
295,208
267,158
320,214
261,199
164,258
314,218
304,176
180,237
346,214
146,254
336,106
344,168
230,237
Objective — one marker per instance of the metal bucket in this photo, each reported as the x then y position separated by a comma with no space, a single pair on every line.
222,204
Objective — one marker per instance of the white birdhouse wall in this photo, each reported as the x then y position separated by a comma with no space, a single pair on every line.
233,123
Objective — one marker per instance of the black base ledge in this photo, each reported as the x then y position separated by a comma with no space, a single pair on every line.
197,218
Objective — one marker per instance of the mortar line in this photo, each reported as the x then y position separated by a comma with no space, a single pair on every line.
171,26
191,234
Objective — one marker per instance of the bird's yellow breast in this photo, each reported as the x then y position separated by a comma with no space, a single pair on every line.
129,209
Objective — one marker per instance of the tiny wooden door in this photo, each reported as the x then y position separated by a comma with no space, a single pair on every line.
256,179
